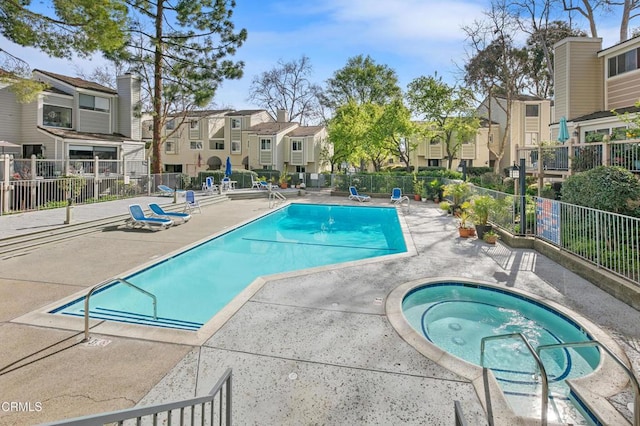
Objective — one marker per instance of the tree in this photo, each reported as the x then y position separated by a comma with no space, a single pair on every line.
497,69
78,26
363,81
395,128
587,9
182,59
447,110
288,87
346,130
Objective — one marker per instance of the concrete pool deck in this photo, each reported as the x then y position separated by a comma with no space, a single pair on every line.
306,349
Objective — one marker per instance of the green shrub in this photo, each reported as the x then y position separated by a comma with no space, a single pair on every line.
612,189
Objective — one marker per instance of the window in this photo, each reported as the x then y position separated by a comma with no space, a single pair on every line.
197,145
216,144
170,125
532,110
301,169
56,116
173,168
624,62
236,123
194,125
296,146
433,163
235,147
94,103
265,144
170,147
531,138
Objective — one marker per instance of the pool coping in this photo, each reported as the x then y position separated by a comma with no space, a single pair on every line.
606,380
43,317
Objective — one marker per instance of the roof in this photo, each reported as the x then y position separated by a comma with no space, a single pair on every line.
72,134
78,82
271,128
521,97
246,112
605,114
305,131
57,91
200,113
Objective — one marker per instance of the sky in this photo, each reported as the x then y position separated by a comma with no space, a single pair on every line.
413,37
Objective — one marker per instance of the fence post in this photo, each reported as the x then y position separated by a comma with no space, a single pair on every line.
6,184
570,156
96,182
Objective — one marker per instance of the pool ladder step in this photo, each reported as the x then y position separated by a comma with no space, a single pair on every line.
135,318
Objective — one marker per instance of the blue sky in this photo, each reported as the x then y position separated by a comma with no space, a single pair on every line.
414,37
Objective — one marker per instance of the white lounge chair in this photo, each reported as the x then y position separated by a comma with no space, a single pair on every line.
165,190
259,184
191,202
353,195
158,211
209,187
139,220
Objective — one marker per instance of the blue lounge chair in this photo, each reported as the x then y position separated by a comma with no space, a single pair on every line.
353,195
139,220
209,187
158,211
397,197
165,190
191,202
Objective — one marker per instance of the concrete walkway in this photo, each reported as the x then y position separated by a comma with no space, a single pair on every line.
311,349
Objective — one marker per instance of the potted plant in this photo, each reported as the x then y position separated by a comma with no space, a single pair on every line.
490,237
482,206
418,187
465,227
445,206
435,190
284,180
458,191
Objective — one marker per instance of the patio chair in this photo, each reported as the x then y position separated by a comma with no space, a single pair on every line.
208,186
225,184
397,197
158,211
259,184
139,220
191,202
353,195
165,190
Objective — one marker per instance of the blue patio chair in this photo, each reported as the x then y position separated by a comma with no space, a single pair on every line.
165,190
209,186
139,220
353,195
158,211
191,202
397,197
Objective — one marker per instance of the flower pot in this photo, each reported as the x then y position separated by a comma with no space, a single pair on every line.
416,197
490,239
481,229
283,185
466,232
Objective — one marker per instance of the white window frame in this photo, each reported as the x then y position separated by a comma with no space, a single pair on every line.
297,143
236,147
196,145
170,147
94,103
49,124
265,144
236,123
194,125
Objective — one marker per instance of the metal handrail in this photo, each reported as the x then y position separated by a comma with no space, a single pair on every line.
632,378
121,416
543,372
109,281
275,196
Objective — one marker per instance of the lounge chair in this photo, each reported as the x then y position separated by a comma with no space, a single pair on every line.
259,184
165,190
158,211
209,186
397,197
139,220
191,202
353,195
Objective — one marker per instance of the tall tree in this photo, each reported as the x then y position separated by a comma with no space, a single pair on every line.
347,128
179,48
288,87
75,26
588,9
395,128
447,109
496,69
363,81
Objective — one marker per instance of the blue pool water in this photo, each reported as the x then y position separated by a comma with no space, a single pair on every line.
455,317
192,286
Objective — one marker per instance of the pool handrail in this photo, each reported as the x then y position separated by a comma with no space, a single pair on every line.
154,299
536,357
632,378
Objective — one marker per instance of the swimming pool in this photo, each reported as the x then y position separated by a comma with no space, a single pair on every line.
457,316
195,284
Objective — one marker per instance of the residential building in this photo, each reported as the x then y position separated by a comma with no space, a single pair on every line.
252,139
73,118
529,124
